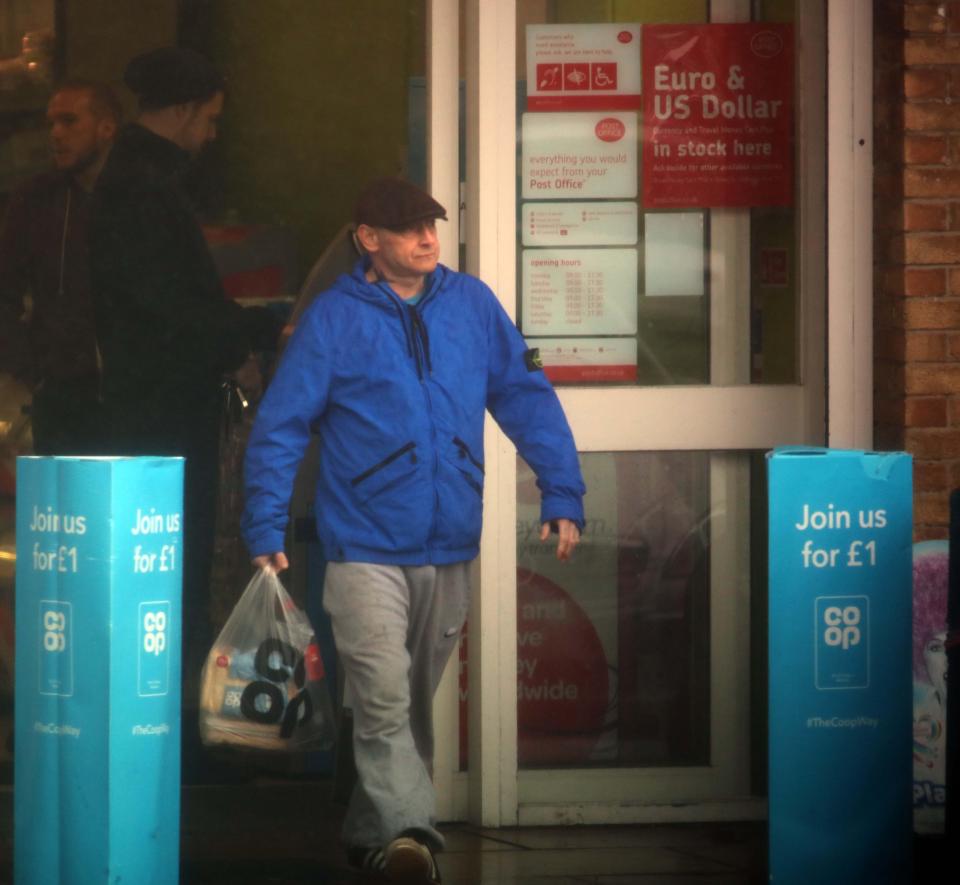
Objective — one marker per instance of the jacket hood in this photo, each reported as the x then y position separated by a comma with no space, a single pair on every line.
380,294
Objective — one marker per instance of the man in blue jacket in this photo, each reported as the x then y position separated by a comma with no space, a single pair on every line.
394,368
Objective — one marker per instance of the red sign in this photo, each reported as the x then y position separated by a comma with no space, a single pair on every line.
603,75
581,67
563,677
612,374
774,268
718,115
610,129
576,76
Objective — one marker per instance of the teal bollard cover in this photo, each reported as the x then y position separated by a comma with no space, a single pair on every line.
840,681
97,694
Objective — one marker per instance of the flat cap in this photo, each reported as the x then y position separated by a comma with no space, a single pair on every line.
172,75
395,203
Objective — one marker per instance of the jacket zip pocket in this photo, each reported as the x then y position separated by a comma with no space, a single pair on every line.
473,484
381,464
465,451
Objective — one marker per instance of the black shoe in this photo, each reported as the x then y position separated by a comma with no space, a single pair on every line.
409,861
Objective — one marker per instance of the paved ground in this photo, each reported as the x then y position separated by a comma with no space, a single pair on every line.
285,833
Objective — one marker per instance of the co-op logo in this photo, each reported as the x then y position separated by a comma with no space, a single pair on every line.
155,632
843,626
54,631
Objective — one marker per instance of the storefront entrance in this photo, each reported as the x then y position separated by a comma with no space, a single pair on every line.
680,312
650,203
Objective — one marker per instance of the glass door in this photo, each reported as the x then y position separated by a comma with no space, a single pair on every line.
652,216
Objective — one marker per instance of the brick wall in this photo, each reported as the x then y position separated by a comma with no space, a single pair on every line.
917,247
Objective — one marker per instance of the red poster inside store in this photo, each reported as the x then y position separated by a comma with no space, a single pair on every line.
717,115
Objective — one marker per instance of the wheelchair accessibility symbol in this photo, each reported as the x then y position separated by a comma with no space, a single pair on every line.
603,75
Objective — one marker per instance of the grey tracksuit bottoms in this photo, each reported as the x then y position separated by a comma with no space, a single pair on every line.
395,628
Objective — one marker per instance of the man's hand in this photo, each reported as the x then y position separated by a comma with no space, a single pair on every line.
286,333
569,537
272,562
249,378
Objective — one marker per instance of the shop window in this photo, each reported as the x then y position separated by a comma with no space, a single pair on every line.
318,105
657,227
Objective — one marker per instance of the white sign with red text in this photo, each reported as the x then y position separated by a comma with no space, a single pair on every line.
583,67
574,156
579,291
588,360
609,223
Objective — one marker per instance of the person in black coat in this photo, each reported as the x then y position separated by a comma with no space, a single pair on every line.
52,346
167,333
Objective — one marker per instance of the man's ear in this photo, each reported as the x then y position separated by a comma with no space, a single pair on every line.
107,129
368,238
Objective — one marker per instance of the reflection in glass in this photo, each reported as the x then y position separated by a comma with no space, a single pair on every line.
26,48
613,653
322,99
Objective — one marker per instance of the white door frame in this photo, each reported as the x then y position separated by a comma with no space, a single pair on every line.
491,255
715,417
443,181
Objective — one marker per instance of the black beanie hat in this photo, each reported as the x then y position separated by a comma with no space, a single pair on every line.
171,75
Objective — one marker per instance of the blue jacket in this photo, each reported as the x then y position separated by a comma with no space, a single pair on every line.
397,396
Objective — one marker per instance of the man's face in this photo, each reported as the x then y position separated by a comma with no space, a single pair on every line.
410,252
200,124
78,136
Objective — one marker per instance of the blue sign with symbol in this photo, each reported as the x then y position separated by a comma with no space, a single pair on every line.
842,624
840,689
97,701
153,671
56,648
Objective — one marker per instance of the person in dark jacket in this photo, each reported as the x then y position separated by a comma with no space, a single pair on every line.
51,346
167,333
394,368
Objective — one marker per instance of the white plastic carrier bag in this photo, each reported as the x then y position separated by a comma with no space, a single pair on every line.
263,684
